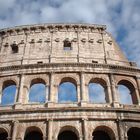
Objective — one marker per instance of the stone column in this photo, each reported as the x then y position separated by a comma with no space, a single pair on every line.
82,88
0,91
14,129
44,138
84,127
120,130
50,128
137,96
19,99
138,83
19,94
8,138
138,89
109,94
78,93
47,93
114,91
51,89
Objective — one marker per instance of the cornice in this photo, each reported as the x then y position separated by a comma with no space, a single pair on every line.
51,27
82,65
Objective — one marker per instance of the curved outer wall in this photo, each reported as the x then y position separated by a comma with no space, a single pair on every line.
94,55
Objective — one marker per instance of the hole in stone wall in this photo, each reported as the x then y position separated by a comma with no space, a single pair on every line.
8,93
127,93
67,92
37,91
14,48
96,93
3,134
67,45
100,135
67,135
133,133
33,135
124,95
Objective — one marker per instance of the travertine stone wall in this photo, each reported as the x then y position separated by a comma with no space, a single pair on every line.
90,43
94,56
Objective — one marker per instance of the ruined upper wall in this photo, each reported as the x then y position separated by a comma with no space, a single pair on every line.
45,44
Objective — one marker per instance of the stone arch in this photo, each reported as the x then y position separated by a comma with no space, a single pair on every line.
101,85
132,88
99,80
30,79
37,91
68,79
3,133
9,89
14,79
67,90
33,132
37,80
133,133
7,83
69,130
105,131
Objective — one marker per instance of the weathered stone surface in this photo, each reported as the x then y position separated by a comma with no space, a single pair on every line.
94,55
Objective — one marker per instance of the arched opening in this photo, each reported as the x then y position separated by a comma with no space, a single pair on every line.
3,134
97,91
133,133
33,133
100,135
67,135
37,91
126,92
103,133
8,93
67,91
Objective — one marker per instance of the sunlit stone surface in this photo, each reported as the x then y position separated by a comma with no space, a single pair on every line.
66,81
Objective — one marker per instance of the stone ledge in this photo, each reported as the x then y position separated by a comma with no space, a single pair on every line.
53,65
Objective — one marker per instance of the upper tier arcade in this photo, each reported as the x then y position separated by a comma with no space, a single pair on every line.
59,43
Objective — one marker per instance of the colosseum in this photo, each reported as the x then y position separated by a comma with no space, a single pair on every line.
63,82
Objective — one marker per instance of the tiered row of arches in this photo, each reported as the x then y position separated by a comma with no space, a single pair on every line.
69,89
70,132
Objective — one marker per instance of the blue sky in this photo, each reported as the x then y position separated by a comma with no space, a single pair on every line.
122,17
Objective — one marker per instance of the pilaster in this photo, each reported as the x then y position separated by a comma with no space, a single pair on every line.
82,89
138,89
14,129
84,128
51,93
0,92
50,128
115,101
19,94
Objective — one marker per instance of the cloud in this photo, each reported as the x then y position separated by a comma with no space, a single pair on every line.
96,93
121,17
67,92
125,95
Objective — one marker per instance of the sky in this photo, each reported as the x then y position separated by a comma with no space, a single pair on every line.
122,17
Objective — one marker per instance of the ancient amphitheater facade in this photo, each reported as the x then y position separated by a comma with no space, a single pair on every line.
53,54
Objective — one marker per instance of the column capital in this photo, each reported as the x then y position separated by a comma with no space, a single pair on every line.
15,121
49,119
84,119
51,72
